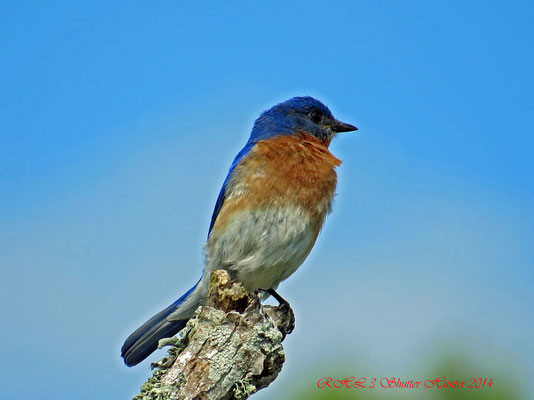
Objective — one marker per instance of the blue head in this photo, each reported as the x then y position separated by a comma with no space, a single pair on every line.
299,114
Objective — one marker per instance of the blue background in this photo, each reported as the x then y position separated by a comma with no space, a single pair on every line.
120,119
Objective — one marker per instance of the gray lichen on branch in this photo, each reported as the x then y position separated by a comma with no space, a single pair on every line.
230,349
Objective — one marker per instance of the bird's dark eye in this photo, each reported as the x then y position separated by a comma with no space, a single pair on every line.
316,116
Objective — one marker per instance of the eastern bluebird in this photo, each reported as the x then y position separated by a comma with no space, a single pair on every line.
269,212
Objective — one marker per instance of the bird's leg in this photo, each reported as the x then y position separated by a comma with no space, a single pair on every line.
280,299
284,314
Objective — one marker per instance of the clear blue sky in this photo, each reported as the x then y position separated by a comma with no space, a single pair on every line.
120,119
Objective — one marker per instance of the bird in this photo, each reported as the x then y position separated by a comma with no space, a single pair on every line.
268,215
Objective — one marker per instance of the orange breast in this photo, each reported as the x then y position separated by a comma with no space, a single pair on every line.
297,170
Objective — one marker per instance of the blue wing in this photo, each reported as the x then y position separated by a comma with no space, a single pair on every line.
222,194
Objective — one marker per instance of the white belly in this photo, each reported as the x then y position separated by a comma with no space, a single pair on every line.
262,248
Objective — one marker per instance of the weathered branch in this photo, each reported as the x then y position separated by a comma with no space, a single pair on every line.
230,349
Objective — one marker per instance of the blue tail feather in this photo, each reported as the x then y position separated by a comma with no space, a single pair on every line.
140,344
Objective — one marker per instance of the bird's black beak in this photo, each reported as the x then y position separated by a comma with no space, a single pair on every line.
339,126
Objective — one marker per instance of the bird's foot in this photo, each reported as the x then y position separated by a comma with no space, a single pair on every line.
286,317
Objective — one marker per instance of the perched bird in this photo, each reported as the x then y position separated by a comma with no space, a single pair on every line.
269,212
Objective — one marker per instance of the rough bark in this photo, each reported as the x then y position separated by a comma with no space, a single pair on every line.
230,349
